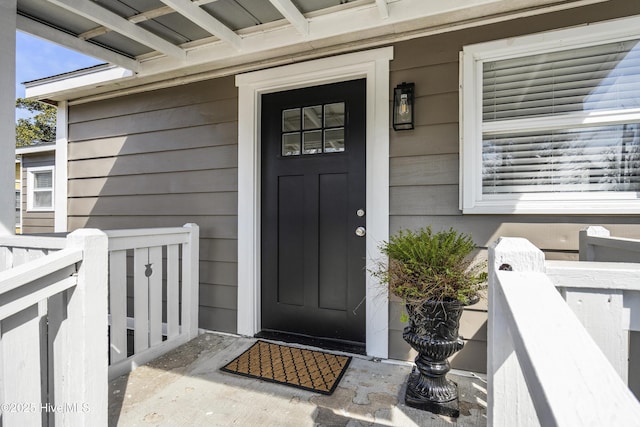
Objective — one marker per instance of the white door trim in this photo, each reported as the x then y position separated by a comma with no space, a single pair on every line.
372,65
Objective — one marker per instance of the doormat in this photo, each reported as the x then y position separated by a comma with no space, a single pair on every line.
306,369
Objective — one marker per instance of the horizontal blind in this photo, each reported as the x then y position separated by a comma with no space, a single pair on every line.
582,159
593,159
596,78
43,180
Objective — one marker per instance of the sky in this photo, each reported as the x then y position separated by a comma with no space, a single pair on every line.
37,58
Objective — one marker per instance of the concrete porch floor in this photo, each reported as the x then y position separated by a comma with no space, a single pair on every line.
186,388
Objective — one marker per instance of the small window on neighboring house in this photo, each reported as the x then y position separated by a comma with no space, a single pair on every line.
18,209
40,189
551,123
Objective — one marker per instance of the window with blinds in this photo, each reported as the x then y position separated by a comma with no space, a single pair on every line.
598,80
560,124
40,188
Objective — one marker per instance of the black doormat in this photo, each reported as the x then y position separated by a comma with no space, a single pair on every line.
306,369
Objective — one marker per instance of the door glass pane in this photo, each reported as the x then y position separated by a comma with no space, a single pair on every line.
334,140
291,120
291,144
312,117
334,114
313,130
312,142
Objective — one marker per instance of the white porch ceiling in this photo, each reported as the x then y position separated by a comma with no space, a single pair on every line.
153,40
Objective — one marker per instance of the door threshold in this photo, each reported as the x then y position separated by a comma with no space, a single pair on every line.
322,343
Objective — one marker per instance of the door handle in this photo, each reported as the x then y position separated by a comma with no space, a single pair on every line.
361,231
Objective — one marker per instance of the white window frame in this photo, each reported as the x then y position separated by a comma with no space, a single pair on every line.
31,189
472,200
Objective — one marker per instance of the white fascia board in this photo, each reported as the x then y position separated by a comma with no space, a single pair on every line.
35,149
74,43
102,16
48,88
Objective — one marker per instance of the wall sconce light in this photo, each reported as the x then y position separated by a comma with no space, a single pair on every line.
403,106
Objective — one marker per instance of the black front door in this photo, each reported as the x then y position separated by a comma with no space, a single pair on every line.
313,200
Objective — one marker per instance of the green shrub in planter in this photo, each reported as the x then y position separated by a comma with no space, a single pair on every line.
424,265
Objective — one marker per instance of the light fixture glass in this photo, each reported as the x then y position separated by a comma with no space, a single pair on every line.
403,106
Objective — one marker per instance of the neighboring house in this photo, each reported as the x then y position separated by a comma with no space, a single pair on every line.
35,188
527,123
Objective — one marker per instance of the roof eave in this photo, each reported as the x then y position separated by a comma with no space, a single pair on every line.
265,46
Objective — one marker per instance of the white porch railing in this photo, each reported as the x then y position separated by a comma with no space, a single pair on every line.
56,306
144,267
597,244
53,331
16,250
605,296
544,368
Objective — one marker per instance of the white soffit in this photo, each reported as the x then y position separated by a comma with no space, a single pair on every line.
299,37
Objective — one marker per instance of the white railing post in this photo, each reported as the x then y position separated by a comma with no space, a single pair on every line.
508,399
81,363
587,251
7,115
191,281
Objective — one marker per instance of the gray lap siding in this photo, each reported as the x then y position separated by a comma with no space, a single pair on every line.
164,158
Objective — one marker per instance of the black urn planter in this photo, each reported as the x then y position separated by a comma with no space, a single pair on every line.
433,333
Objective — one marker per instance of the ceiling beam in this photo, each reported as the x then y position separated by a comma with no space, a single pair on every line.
140,17
102,16
67,40
204,20
135,19
203,2
383,8
292,14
